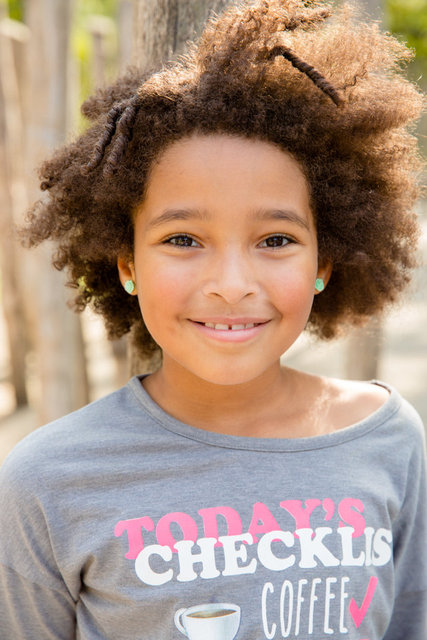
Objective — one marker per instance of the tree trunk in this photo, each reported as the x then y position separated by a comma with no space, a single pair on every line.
61,361
162,28
363,355
364,346
161,31
125,15
13,199
100,28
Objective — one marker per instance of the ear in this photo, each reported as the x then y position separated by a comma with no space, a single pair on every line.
126,270
324,271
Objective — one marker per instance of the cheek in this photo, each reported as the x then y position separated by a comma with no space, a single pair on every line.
293,291
163,290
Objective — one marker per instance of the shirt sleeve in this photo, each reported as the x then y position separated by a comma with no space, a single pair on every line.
29,610
34,599
409,618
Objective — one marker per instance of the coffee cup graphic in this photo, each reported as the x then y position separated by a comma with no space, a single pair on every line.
213,621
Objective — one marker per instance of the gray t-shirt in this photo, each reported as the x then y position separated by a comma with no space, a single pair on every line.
118,522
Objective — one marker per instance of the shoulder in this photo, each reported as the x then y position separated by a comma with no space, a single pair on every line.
68,442
353,401
358,400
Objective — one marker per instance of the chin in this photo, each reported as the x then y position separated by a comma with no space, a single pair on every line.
228,377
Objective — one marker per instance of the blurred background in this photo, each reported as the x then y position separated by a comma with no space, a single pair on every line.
53,53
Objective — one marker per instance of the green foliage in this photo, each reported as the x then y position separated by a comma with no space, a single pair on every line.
15,9
408,20
98,7
85,13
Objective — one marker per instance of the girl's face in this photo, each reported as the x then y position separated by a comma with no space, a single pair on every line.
225,257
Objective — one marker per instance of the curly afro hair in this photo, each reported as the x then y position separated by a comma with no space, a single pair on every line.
315,80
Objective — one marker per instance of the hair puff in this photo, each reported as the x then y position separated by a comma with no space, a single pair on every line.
314,79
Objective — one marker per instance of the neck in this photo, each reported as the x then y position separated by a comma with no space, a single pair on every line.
236,409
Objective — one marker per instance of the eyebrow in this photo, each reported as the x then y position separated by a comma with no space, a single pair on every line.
282,214
172,215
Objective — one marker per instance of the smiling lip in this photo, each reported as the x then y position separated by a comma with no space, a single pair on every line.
230,329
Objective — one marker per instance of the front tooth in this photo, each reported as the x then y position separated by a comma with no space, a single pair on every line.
249,326
237,327
221,327
210,325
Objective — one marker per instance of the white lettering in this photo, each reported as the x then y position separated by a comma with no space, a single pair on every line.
326,606
328,597
145,572
286,587
381,550
187,559
369,534
269,633
232,554
343,598
266,555
348,559
300,600
311,547
313,599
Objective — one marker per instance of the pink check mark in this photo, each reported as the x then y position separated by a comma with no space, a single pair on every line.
358,614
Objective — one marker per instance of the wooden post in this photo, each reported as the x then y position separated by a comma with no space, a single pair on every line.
364,346
100,28
125,32
363,353
162,28
13,201
61,361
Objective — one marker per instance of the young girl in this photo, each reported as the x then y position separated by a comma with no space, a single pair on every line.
260,186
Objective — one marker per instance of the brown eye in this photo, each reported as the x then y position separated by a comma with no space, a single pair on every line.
275,242
181,240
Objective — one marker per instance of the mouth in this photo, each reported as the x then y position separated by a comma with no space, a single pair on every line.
230,327
230,330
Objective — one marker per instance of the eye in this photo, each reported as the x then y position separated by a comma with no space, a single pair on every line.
181,240
277,241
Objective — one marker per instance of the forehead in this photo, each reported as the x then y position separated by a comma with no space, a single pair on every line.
219,170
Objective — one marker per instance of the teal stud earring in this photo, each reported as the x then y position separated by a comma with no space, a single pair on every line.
129,286
319,285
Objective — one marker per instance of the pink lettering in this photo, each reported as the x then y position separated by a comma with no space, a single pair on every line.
133,528
301,514
358,614
210,522
328,506
185,523
350,510
262,521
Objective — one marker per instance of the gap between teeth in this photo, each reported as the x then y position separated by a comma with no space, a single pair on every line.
227,327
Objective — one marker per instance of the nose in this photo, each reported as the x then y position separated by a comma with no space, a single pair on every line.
231,276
